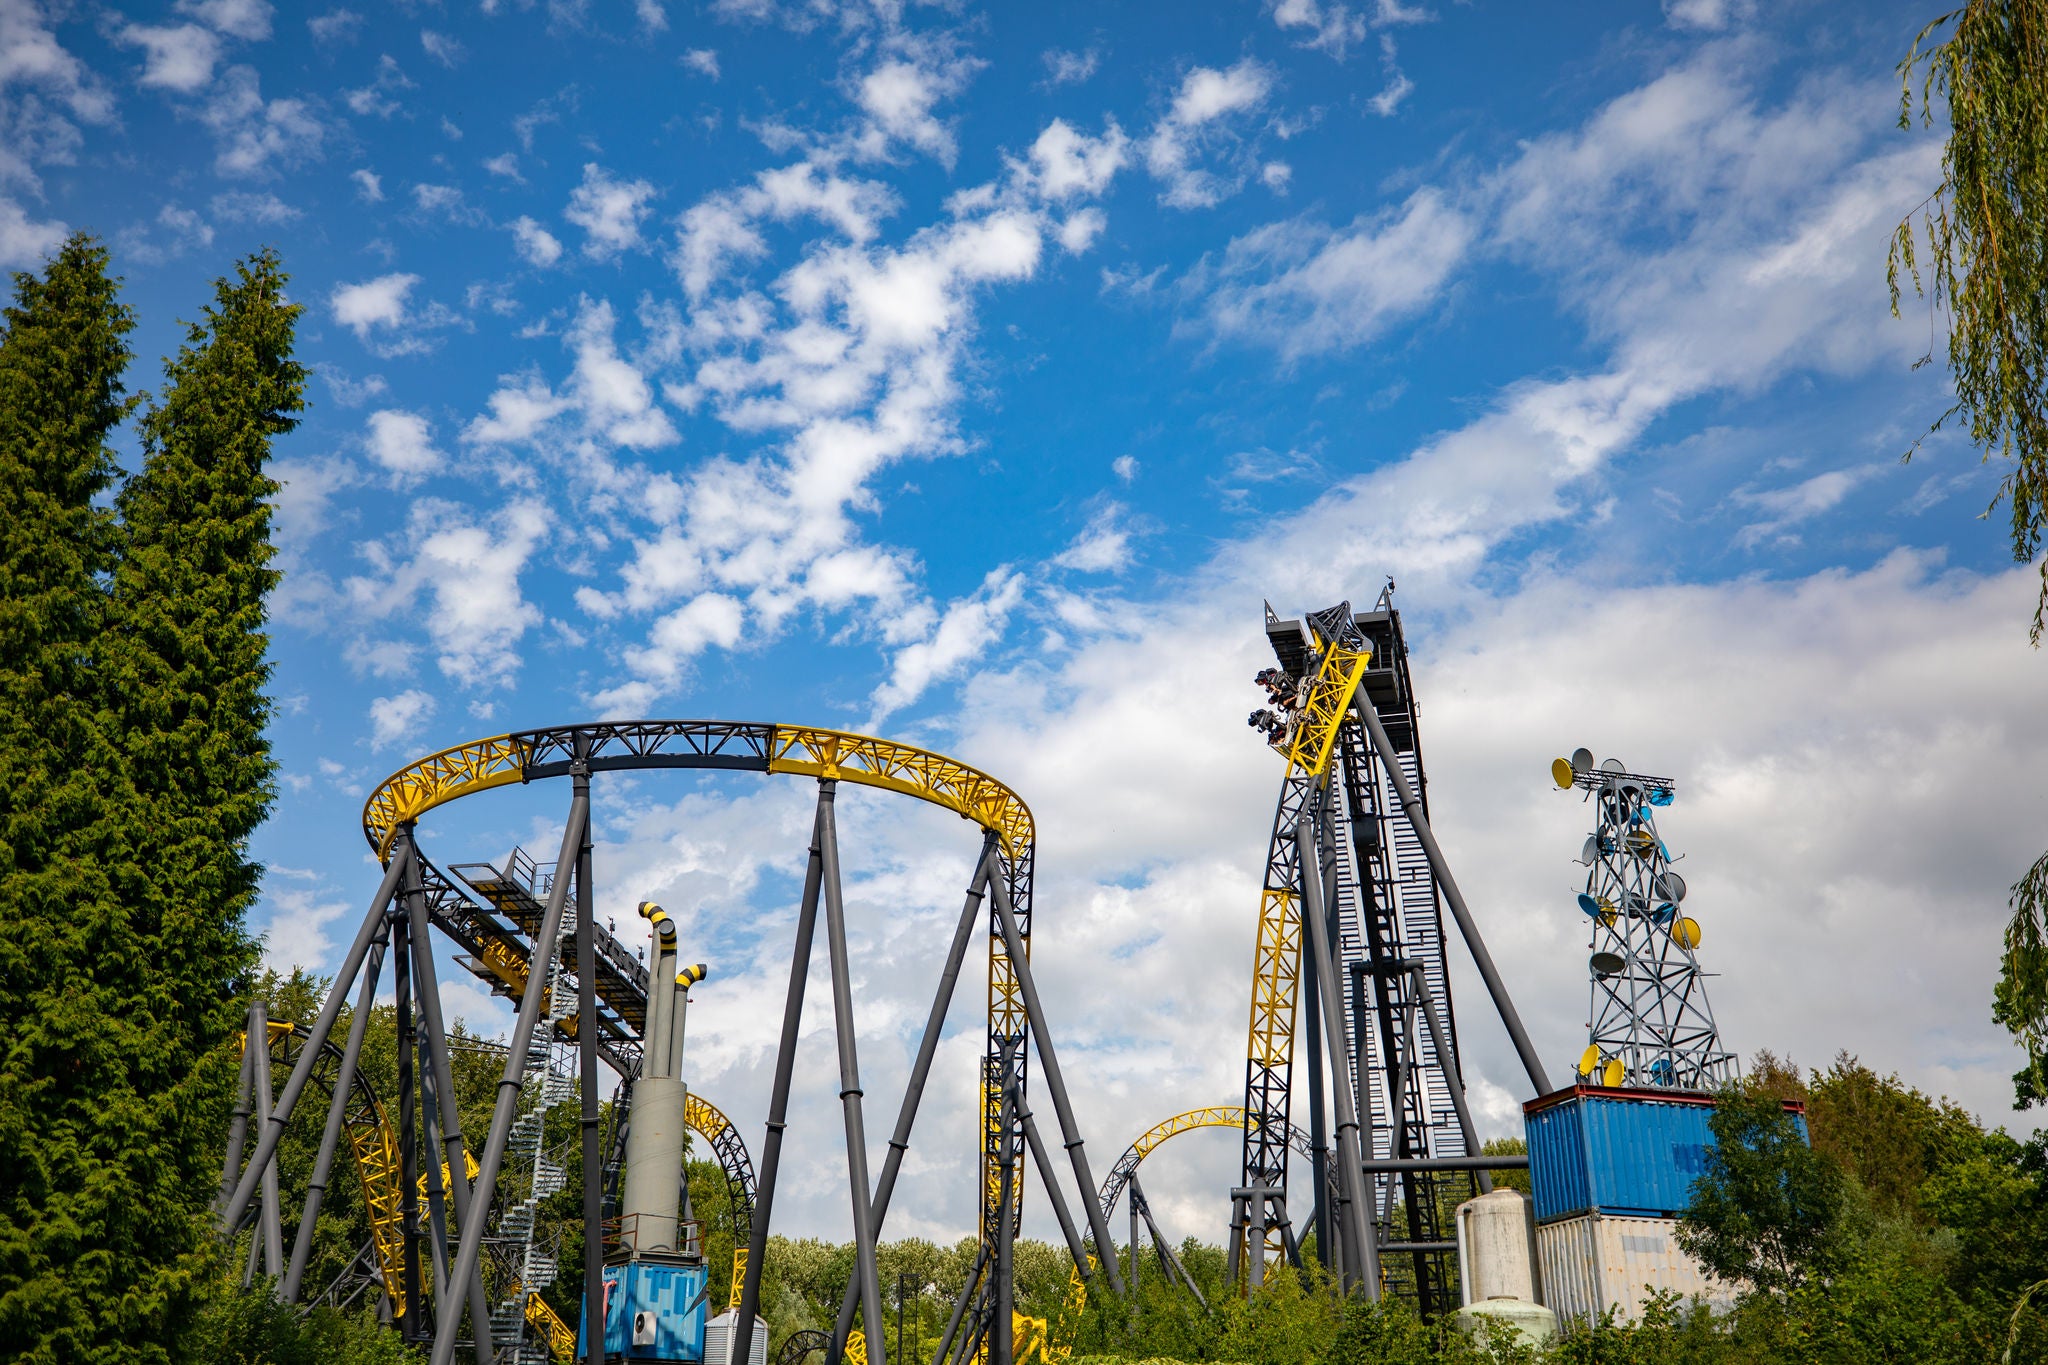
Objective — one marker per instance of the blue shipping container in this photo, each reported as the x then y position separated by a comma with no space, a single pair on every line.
1633,1153
653,1311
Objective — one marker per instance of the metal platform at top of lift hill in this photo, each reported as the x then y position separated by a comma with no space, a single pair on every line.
1385,682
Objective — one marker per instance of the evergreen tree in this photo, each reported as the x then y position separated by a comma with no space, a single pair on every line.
183,675
68,1259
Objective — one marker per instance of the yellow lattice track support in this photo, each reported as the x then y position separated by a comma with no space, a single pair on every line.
375,1148
437,779
739,1275
1315,738
871,762
1276,956
1276,978
1216,1116
561,1338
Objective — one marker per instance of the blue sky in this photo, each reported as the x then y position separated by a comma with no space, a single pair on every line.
970,374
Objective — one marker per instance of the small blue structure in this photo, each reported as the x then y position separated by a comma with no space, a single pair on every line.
653,1310
1621,1152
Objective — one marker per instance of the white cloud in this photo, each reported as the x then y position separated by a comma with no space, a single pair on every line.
374,304
1065,163
447,203
703,61
1784,508
1207,98
252,133
380,313
1303,288
705,620
900,96
1104,546
1081,228
243,207
375,99
369,187
653,18
1708,15
968,627
1125,467
442,48
506,165
469,568
179,59
1333,28
609,212
34,128
1069,68
403,443
535,243
247,19
337,25
607,393
393,719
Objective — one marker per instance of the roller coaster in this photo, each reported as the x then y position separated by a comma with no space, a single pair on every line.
1349,956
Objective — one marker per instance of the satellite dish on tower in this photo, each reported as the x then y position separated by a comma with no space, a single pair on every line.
1606,964
1670,886
1582,760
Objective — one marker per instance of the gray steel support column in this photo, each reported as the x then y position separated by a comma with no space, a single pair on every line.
337,995
437,1198
586,1046
1041,1034
920,1070
1454,1081
408,1134
849,1078
471,1248
1002,1325
1233,1259
337,1112
1131,1206
778,1098
238,1126
1318,1124
1050,1175
1351,1203
1168,1257
269,1221
960,1306
427,989
1411,806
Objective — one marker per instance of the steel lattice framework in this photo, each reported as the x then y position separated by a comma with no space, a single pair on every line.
1651,1024
1215,1116
532,755
1385,926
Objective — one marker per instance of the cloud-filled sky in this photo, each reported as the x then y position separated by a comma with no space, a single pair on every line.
969,374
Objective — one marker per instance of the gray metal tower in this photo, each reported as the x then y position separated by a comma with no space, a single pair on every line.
1651,1025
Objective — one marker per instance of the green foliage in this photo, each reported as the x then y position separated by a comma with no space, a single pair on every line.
1513,1179
132,771
1884,1133
250,1327
1764,1212
97,1245
1985,66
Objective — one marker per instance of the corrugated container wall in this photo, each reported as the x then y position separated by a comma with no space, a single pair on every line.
1635,1153
1595,1260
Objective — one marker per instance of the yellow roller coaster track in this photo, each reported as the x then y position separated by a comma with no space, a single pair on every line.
503,760
1276,961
